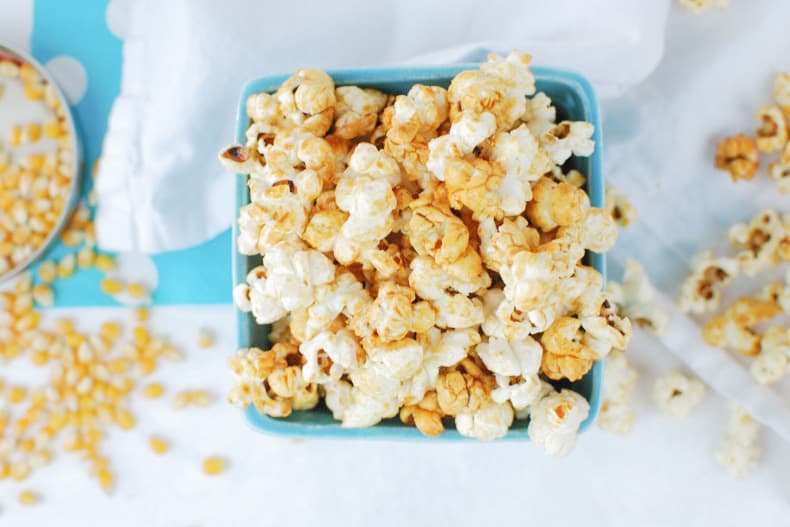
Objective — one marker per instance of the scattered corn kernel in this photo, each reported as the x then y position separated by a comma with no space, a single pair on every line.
86,257
214,465
158,445
106,479
104,263
28,498
47,271
67,266
124,419
43,295
33,132
110,330
15,394
15,136
152,390
205,338
111,286
137,291
141,314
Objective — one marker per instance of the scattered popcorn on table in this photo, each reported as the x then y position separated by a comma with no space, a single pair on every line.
619,379
701,291
205,338
619,207
555,420
763,243
700,6
636,298
739,452
214,465
677,394
420,254
739,156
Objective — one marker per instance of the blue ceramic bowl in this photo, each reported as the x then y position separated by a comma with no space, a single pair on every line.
574,98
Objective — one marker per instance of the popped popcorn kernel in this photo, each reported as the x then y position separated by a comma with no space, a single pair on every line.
738,156
772,132
555,421
677,395
205,338
739,452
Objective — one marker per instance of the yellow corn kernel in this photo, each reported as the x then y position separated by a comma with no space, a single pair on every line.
39,357
15,136
28,498
43,295
34,91
141,314
52,129
106,479
47,271
118,366
137,291
152,390
33,132
5,469
26,445
214,465
72,237
111,286
15,394
182,399
67,266
36,161
86,257
110,330
205,338
141,336
64,326
20,471
104,263
124,419
147,365
201,398
28,72
158,445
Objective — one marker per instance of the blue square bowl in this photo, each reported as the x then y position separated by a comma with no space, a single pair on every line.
574,99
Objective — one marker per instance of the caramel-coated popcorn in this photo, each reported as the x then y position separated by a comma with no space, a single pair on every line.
420,254
738,155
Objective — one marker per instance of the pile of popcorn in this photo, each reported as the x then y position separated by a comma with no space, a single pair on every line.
36,165
761,245
739,155
421,255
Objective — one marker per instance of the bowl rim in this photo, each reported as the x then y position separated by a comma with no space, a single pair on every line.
76,169
371,77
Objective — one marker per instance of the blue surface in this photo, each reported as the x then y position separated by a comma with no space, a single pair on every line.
575,100
199,275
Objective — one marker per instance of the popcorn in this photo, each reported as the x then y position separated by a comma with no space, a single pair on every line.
763,242
556,204
699,6
555,421
425,415
489,422
701,291
618,205
739,452
566,138
779,170
677,395
357,110
772,132
738,156
769,366
635,297
782,89
618,382
564,353
380,243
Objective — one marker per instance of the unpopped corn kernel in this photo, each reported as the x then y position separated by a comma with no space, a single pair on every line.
67,265
205,338
152,390
48,271
158,445
137,291
28,498
214,465
43,295
111,286
104,263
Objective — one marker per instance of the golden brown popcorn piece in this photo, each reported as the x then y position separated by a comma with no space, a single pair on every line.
556,204
307,99
426,415
464,388
564,355
434,230
779,170
393,314
735,328
357,110
772,132
738,156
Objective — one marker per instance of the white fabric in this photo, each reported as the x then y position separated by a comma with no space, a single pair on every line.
660,143
160,187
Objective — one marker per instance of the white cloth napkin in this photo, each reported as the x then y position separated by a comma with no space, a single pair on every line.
159,185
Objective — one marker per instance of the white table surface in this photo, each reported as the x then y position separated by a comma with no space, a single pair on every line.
662,474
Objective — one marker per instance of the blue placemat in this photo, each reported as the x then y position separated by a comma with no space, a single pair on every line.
200,275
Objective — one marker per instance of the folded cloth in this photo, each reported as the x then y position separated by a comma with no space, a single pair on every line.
159,185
